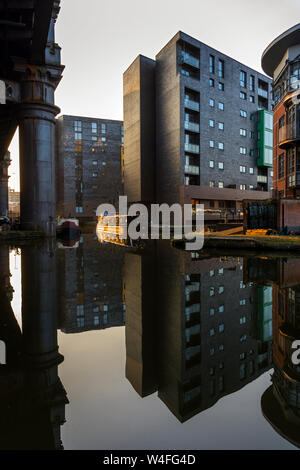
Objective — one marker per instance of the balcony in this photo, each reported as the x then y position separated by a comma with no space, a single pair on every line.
188,59
193,105
262,93
191,148
191,170
288,136
262,179
191,126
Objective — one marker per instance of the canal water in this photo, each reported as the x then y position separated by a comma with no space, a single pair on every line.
158,348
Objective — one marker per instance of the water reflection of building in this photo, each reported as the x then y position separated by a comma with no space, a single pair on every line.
281,401
32,397
193,328
90,286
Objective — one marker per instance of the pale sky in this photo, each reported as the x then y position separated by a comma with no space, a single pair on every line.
99,41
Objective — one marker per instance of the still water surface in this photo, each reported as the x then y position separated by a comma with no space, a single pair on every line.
155,349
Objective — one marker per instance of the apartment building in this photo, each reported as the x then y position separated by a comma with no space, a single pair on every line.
197,128
195,331
88,165
90,295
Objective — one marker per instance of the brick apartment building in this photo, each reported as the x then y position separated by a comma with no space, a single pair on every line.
197,128
88,165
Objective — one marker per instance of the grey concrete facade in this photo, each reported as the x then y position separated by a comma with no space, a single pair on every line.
206,136
88,165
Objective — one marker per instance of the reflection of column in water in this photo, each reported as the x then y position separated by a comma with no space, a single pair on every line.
33,398
39,304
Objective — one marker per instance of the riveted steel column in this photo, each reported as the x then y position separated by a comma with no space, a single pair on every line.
36,118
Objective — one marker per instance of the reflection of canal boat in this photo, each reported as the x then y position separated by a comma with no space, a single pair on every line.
113,229
68,229
67,244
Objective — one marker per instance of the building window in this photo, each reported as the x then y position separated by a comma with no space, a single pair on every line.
243,95
252,83
243,320
211,123
221,106
211,64
221,86
251,186
252,134
221,309
243,338
281,166
211,83
211,291
211,164
243,302
94,128
221,328
211,312
252,117
221,289
94,138
79,210
95,162
221,146
243,113
212,351
221,184
282,121
212,103
221,166
221,347
221,68
242,187
95,174
243,150
96,321
78,126
212,332
251,171
252,152
103,128
252,99
243,132
243,79
221,126
211,184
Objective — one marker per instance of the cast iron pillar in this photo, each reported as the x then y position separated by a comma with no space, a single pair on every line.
4,164
36,118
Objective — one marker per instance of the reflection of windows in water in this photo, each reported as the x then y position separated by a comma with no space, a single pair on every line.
96,321
80,322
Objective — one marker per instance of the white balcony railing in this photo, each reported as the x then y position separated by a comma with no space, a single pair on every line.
191,126
191,170
192,105
191,148
262,179
262,93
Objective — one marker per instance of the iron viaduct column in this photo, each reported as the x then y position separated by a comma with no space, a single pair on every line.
36,118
